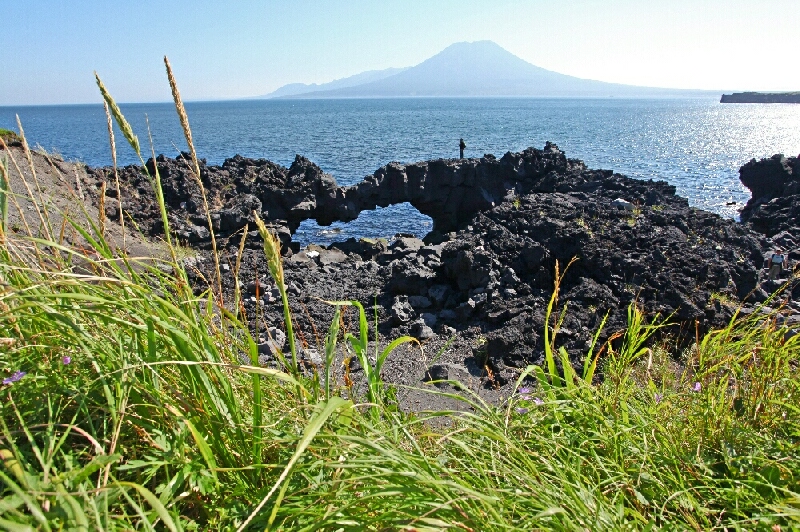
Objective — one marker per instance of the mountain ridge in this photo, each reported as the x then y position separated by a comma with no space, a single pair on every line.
481,69
294,89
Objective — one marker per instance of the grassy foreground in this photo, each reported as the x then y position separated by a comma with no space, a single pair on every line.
126,406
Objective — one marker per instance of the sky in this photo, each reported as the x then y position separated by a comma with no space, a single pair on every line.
243,48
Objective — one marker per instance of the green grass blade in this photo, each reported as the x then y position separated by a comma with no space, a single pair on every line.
567,369
391,347
202,445
550,359
590,363
74,511
314,425
11,526
330,348
155,504
36,511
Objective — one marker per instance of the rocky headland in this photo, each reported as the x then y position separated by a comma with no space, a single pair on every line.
761,97
475,290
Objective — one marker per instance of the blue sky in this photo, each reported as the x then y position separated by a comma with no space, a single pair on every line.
241,48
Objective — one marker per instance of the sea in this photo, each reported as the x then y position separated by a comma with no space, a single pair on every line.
697,145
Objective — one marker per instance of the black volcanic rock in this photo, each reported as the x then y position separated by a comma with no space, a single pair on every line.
450,191
502,223
670,268
240,185
775,204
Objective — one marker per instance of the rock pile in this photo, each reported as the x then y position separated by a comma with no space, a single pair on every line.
451,191
774,209
486,271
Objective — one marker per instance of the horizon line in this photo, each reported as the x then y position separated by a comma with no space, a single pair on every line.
408,97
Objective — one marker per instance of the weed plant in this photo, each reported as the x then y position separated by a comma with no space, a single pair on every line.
126,406
8,134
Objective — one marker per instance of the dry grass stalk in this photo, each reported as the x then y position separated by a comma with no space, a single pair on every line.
101,210
116,174
24,181
160,198
176,96
13,196
184,118
237,291
63,230
43,215
5,190
115,438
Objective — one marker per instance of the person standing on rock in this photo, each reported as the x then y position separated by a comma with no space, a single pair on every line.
776,263
461,147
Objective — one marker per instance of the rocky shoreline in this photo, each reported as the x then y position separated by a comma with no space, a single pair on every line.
475,290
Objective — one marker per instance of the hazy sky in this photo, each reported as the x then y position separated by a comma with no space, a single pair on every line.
239,48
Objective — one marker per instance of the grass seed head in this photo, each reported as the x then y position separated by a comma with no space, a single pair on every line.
123,124
111,134
184,118
272,249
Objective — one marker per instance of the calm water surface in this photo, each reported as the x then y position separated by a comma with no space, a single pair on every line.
697,145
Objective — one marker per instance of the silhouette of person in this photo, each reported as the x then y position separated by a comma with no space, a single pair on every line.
461,147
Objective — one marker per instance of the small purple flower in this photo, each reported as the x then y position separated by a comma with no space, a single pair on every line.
524,390
522,411
66,360
537,401
697,387
658,397
14,378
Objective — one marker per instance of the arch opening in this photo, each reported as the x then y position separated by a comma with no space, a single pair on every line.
382,222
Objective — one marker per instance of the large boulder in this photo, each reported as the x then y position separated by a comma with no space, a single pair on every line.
775,187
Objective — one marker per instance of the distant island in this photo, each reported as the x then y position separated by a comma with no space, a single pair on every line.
761,97
474,69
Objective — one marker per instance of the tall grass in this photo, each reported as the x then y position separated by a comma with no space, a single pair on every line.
126,407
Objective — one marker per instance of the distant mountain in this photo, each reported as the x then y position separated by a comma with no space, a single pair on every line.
482,68
294,89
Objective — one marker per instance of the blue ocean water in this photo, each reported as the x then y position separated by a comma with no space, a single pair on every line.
696,144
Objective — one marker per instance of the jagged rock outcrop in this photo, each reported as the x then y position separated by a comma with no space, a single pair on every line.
634,241
500,226
674,260
450,191
774,209
235,189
